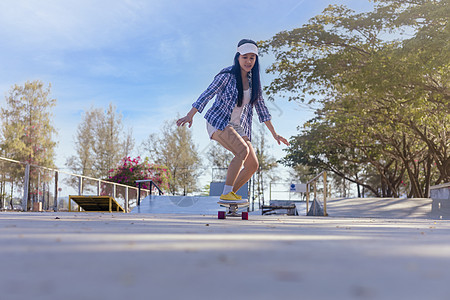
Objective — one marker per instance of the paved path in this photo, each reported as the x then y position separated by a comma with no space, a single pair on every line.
397,208
142,256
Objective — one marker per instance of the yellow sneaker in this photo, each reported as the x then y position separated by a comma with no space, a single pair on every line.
229,197
236,195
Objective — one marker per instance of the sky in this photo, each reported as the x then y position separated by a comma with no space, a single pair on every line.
151,59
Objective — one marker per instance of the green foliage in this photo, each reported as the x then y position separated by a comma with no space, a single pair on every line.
130,170
206,189
382,80
27,132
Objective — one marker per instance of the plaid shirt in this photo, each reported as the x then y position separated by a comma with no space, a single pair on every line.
224,86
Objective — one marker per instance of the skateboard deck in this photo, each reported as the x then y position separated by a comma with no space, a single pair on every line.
232,210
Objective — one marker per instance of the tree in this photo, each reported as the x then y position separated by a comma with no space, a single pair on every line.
26,124
27,130
385,101
109,144
128,143
175,149
100,143
302,173
129,170
83,162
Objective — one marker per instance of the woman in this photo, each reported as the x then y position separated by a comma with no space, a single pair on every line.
229,120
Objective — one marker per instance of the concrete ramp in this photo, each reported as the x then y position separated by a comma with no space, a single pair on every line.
396,208
178,205
391,208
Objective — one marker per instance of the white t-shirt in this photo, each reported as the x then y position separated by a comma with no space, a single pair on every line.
237,111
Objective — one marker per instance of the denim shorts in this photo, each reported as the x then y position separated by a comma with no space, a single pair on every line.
236,127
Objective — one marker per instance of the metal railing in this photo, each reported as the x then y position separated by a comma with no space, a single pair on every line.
23,184
152,185
314,182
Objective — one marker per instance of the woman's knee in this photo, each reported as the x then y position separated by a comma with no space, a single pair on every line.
242,152
252,164
255,165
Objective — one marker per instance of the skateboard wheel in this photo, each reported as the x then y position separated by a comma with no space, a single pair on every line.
221,215
244,215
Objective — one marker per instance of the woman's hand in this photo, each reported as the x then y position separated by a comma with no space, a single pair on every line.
275,135
280,139
184,120
188,118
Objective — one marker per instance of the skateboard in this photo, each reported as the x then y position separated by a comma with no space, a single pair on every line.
232,210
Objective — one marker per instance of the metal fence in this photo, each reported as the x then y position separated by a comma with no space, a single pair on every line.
26,187
286,191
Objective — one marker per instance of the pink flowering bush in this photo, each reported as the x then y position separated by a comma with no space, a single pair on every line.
129,170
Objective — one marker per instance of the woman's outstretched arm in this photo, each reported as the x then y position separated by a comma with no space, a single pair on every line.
275,135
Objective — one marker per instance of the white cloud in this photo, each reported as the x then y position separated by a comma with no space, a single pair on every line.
176,48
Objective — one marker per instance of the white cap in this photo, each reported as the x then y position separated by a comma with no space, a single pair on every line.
247,48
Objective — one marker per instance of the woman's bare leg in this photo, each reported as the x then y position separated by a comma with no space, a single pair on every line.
232,141
250,167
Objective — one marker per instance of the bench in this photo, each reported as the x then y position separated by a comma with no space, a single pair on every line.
270,209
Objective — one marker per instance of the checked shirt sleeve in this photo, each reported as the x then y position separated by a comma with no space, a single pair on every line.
261,109
213,89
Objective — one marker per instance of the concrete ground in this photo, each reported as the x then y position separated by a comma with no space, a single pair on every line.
135,256
143,256
394,208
